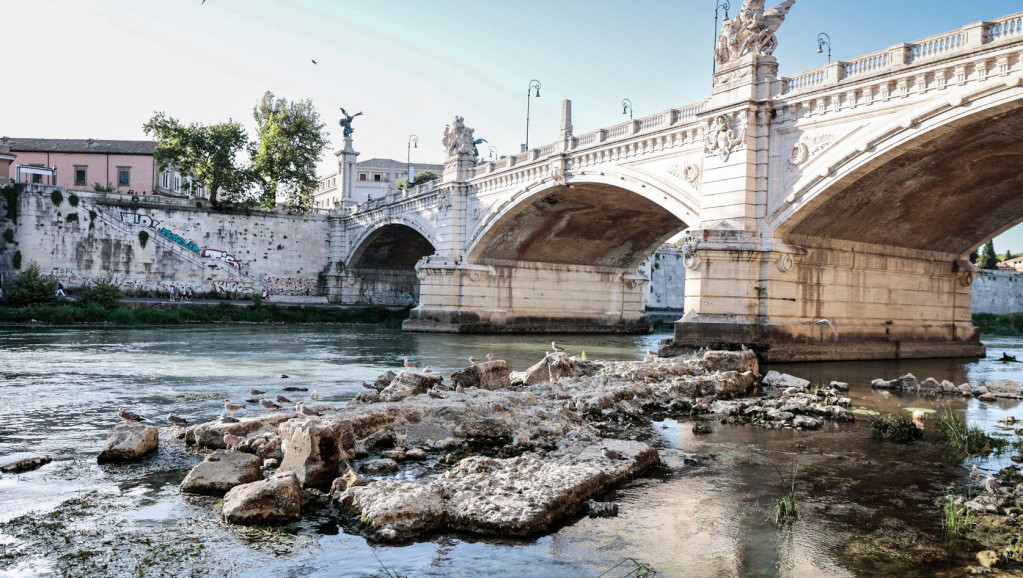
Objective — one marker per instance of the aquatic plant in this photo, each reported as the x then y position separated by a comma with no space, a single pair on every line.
967,440
387,571
897,428
631,567
785,510
956,520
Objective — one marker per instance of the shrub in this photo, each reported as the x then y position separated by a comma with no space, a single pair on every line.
57,197
9,235
72,200
72,217
31,287
967,440
143,238
104,294
11,200
900,428
16,260
109,188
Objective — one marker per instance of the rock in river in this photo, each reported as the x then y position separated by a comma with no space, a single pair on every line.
314,449
129,441
221,471
276,500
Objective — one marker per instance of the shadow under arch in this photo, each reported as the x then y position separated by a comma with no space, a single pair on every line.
383,265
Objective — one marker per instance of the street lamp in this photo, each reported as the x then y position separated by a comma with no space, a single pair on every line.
720,5
822,41
493,152
532,84
627,107
413,141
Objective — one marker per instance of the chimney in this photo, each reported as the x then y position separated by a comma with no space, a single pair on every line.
92,141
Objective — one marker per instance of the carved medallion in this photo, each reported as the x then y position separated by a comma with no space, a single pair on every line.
688,172
721,137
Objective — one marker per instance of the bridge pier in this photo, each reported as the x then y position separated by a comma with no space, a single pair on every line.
827,300
527,297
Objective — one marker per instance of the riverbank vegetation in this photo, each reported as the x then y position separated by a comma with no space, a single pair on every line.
1009,324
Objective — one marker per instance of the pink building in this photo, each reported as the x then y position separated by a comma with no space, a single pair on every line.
78,164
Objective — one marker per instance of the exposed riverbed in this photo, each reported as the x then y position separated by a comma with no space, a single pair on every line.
701,514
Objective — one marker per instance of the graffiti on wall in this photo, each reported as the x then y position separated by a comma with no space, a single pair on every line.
140,220
224,256
190,245
291,286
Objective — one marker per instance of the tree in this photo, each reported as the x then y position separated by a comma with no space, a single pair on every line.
988,257
291,137
421,177
31,287
1008,255
209,153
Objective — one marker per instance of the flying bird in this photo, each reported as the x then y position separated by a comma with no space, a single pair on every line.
128,416
176,420
314,61
828,323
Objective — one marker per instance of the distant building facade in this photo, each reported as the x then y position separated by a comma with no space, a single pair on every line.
79,164
375,178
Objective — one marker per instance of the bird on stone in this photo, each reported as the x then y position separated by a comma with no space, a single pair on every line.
828,323
556,347
303,410
256,392
490,356
232,407
975,473
231,440
427,369
650,356
434,394
128,416
176,420
368,385
227,419
992,485
409,363
315,395
281,399
266,403
611,454
473,360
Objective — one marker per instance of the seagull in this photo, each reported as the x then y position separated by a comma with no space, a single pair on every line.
128,416
303,410
281,399
611,454
826,322
409,363
314,61
176,420
473,360
427,369
315,395
368,385
650,356
556,347
490,356
975,473
231,440
268,404
227,419
992,485
232,407
256,392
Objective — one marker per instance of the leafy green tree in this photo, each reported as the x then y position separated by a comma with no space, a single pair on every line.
988,257
974,255
210,153
291,137
421,177
30,287
1008,255
104,294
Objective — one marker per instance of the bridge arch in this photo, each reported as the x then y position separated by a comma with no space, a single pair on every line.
943,177
381,268
604,218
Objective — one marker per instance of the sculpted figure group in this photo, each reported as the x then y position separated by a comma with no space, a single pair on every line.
751,31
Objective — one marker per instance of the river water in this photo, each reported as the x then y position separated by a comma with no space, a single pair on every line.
701,514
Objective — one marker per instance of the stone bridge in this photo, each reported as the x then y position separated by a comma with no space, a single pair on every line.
828,215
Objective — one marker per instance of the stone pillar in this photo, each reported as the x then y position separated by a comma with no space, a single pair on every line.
346,159
566,119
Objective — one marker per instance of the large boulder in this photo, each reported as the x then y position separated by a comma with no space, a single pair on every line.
552,368
211,434
408,383
487,375
314,449
276,500
129,441
1004,388
25,465
784,380
221,471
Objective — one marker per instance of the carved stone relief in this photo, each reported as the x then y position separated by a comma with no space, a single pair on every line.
722,136
808,147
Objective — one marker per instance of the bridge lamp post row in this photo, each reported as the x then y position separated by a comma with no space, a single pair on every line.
824,40
533,84
413,142
627,107
714,59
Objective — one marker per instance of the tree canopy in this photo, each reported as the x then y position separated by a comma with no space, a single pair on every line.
988,257
284,156
210,153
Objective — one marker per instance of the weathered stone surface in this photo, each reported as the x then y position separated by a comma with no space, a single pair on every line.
25,465
515,496
1004,388
129,441
784,380
221,471
555,366
839,386
211,434
408,383
315,448
487,375
381,466
384,380
276,500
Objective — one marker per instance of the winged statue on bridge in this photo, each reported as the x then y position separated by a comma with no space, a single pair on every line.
751,31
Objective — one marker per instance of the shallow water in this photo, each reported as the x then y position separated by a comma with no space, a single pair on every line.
693,517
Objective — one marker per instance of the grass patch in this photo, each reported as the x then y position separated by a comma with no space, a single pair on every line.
897,428
966,440
1009,324
630,567
785,510
956,521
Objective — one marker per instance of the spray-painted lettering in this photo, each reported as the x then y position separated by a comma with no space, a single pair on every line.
222,255
292,286
190,245
140,220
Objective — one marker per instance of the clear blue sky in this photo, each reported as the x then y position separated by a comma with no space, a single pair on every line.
100,68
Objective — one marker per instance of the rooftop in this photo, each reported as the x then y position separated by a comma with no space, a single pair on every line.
75,145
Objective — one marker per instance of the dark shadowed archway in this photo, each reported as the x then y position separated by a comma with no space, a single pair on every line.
384,264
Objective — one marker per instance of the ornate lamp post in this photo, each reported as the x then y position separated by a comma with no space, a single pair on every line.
723,4
627,107
493,152
413,142
532,84
822,41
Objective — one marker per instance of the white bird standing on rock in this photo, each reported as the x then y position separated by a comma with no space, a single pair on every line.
315,395
232,407
556,347
975,473
473,360
992,485
490,356
232,441
408,363
128,416
303,410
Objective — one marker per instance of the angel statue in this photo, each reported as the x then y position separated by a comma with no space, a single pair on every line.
475,151
346,122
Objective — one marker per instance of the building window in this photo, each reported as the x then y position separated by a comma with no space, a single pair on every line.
376,177
37,178
177,183
165,179
362,176
123,176
80,177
